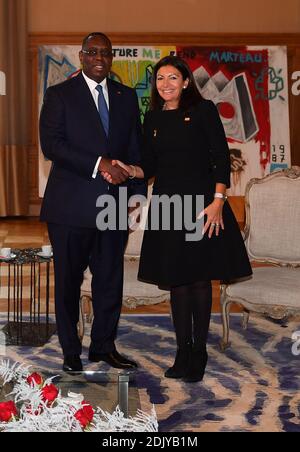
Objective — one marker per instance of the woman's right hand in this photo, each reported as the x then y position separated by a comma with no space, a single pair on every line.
127,168
132,171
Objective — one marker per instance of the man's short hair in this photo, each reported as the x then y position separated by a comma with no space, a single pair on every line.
94,35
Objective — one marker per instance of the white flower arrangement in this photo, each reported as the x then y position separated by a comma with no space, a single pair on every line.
44,409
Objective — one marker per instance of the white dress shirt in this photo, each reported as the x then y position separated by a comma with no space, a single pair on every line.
92,86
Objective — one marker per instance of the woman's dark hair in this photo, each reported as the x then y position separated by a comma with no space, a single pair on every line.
189,97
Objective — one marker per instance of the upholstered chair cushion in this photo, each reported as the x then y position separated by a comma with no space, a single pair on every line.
133,248
269,286
136,293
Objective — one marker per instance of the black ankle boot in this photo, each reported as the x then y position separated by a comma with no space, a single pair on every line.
181,364
197,365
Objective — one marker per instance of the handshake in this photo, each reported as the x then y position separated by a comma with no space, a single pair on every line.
114,171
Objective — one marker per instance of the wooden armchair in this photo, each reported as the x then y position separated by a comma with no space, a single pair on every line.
272,237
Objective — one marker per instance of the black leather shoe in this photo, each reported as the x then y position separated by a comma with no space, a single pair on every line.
114,359
72,363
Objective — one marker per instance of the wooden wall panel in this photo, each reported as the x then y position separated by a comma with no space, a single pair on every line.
218,16
292,41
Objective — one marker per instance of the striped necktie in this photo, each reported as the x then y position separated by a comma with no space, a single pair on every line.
103,110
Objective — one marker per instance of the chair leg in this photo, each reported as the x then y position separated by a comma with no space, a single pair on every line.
246,315
87,308
224,343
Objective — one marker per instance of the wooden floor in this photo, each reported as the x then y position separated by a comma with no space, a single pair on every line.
30,233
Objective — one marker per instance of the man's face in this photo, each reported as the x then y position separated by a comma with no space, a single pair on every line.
96,58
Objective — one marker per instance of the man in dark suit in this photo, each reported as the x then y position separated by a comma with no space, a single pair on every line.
86,122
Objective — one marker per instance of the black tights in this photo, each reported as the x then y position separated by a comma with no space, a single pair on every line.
191,310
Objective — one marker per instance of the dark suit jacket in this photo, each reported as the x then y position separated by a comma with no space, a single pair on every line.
73,138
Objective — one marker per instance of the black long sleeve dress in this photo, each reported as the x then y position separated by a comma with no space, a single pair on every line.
187,152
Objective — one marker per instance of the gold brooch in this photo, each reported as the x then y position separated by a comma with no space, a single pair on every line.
187,119
154,133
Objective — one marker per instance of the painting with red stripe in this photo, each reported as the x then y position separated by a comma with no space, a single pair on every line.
249,87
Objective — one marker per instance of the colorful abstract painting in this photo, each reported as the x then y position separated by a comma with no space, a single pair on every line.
248,85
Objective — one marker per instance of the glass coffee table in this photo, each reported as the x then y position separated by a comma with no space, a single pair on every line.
106,390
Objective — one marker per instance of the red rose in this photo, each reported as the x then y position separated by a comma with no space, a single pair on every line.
35,379
49,393
7,411
85,415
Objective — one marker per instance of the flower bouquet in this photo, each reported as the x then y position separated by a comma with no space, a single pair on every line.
36,405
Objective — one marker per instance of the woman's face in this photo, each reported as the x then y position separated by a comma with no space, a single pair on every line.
170,83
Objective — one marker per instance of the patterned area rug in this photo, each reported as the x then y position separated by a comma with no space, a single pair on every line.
253,387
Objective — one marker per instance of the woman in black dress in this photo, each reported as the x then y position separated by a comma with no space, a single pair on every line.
185,149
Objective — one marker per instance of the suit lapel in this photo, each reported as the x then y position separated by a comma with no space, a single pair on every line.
115,96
